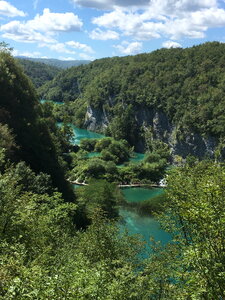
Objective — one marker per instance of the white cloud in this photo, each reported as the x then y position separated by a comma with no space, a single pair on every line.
130,24
55,22
34,54
171,44
86,56
81,55
168,6
98,34
58,47
8,10
66,58
129,48
175,8
77,45
195,24
19,32
42,27
117,19
172,19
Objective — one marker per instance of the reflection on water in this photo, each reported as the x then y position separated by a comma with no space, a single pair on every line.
145,225
135,223
140,194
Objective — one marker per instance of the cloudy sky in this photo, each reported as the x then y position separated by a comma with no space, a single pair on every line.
90,29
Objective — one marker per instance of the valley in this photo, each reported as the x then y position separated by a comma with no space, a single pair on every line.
144,137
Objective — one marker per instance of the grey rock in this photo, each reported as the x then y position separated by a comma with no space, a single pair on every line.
191,143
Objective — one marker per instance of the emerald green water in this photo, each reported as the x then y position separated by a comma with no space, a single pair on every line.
140,194
137,157
135,223
87,134
76,186
84,134
45,101
147,226
93,154
80,134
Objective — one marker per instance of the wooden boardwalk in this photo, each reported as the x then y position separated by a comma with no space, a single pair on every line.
153,185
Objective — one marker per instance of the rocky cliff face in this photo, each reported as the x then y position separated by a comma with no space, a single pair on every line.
189,143
96,119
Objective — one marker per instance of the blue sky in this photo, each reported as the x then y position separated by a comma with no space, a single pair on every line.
91,29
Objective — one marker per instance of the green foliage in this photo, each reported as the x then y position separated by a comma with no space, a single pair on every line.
43,256
154,205
30,182
102,144
4,47
186,84
36,142
95,168
39,73
69,112
7,140
100,194
88,144
112,150
196,213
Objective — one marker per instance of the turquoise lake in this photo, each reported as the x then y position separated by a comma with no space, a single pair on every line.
80,134
135,223
140,194
137,157
146,226
84,134
93,154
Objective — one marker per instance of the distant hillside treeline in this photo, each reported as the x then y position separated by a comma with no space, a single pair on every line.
62,64
39,72
186,84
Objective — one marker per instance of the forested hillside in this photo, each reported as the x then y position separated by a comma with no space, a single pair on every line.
38,72
34,138
53,246
177,94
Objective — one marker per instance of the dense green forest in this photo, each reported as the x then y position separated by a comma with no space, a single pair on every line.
33,138
38,72
185,86
57,243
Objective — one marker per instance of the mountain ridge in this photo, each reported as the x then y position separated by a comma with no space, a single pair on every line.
63,64
184,85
